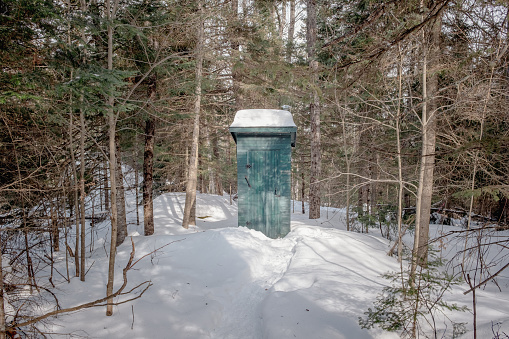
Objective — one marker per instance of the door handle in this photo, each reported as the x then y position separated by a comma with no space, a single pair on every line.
249,185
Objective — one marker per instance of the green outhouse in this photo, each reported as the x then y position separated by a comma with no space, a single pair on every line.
264,139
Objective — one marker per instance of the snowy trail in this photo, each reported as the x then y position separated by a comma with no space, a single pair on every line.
217,280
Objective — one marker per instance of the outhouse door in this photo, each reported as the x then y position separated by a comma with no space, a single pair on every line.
263,181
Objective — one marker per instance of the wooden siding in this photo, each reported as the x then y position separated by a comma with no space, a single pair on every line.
264,182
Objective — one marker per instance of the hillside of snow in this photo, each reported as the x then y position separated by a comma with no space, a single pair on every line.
217,280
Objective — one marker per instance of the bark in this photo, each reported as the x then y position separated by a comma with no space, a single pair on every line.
427,163
190,206
148,169
303,192
316,161
106,189
112,121
235,47
282,19
210,169
82,194
219,182
291,32
75,191
121,212
348,162
2,309
400,165
55,232
136,180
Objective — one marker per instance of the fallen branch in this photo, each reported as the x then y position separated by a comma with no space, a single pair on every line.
101,302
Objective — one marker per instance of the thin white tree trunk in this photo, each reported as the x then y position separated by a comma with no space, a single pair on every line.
316,161
189,217
427,166
291,32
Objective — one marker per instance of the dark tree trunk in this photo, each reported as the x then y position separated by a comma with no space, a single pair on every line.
148,169
106,188
121,213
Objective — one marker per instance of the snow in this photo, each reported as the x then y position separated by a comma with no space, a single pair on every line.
263,118
216,280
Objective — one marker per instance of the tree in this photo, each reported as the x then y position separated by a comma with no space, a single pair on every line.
430,110
190,206
314,112
148,160
111,10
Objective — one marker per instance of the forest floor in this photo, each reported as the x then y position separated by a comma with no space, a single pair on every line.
216,280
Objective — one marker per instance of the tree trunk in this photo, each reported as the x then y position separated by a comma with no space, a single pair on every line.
400,165
235,47
193,163
112,121
291,32
137,191
75,194
218,180
82,194
282,20
211,187
429,112
148,169
348,166
2,309
121,216
55,232
303,192
316,161
106,188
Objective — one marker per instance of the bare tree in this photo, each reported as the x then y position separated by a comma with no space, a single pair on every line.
431,51
148,169
112,122
189,217
121,218
314,111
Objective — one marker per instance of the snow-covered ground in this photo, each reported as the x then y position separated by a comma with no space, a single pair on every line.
217,280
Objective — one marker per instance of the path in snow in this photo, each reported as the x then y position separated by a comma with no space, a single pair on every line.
217,280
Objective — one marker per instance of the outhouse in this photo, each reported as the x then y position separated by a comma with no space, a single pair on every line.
264,139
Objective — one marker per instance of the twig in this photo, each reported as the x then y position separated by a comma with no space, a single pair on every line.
486,280
132,311
98,301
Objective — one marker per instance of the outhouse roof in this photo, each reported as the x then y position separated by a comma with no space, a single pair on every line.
263,122
263,118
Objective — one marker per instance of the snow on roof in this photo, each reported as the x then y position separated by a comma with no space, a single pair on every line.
263,118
